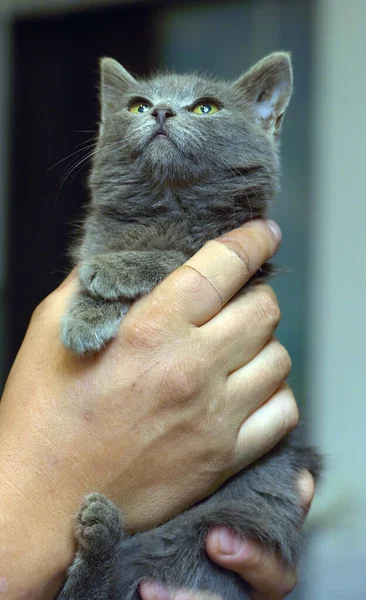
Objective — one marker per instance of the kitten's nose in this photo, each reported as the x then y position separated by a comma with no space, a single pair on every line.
161,113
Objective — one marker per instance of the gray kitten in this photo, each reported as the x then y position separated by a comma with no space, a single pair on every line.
180,159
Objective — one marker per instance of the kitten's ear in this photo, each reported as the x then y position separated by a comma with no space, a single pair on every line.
114,80
267,87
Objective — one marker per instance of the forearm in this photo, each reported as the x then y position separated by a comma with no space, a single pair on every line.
36,523
34,555
32,565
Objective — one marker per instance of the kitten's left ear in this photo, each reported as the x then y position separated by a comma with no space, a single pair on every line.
267,87
114,81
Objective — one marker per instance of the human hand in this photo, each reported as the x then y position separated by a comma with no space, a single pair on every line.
263,571
184,383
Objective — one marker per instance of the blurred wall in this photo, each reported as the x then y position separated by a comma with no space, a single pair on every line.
337,295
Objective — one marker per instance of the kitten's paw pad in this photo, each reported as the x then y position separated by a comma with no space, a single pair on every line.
89,324
99,525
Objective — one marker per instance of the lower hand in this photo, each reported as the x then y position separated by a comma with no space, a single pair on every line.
70,425
263,571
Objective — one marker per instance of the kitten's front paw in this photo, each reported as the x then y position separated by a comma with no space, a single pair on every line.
129,274
89,324
99,525
101,277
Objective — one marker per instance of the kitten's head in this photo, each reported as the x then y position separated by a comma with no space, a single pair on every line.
187,128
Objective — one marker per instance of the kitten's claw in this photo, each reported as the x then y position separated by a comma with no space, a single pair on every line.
99,525
90,324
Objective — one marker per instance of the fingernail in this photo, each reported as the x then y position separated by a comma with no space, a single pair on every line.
275,229
228,542
152,590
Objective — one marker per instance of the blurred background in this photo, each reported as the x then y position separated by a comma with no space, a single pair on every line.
49,52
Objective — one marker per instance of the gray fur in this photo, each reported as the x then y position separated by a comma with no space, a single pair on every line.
155,202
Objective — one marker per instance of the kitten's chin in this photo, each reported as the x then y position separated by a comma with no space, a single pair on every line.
163,161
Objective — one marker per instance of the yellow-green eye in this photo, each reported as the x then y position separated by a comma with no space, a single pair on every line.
139,107
206,108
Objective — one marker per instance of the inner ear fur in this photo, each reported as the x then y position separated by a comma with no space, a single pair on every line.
267,88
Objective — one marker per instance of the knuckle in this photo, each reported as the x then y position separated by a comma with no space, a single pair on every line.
182,381
268,305
255,250
282,363
243,252
245,256
290,411
259,246
221,457
142,333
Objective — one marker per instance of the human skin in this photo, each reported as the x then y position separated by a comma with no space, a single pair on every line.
69,425
264,571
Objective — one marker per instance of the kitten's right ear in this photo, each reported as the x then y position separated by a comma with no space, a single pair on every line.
114,80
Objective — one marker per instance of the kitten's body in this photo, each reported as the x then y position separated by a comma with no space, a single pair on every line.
156,199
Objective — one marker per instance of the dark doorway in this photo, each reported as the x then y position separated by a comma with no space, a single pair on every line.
54,109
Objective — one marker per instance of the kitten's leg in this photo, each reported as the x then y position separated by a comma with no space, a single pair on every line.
109,283
261,502
89,323
98,532
128,274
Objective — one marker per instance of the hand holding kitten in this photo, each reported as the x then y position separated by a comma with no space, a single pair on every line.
85,424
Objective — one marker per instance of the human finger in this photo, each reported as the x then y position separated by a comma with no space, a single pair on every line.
197,291
266,427
266,574
242,328
268,577
259,378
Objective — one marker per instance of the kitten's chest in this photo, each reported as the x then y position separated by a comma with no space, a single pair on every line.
162,219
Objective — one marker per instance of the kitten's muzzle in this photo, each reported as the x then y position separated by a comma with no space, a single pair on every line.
160,132
162,113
